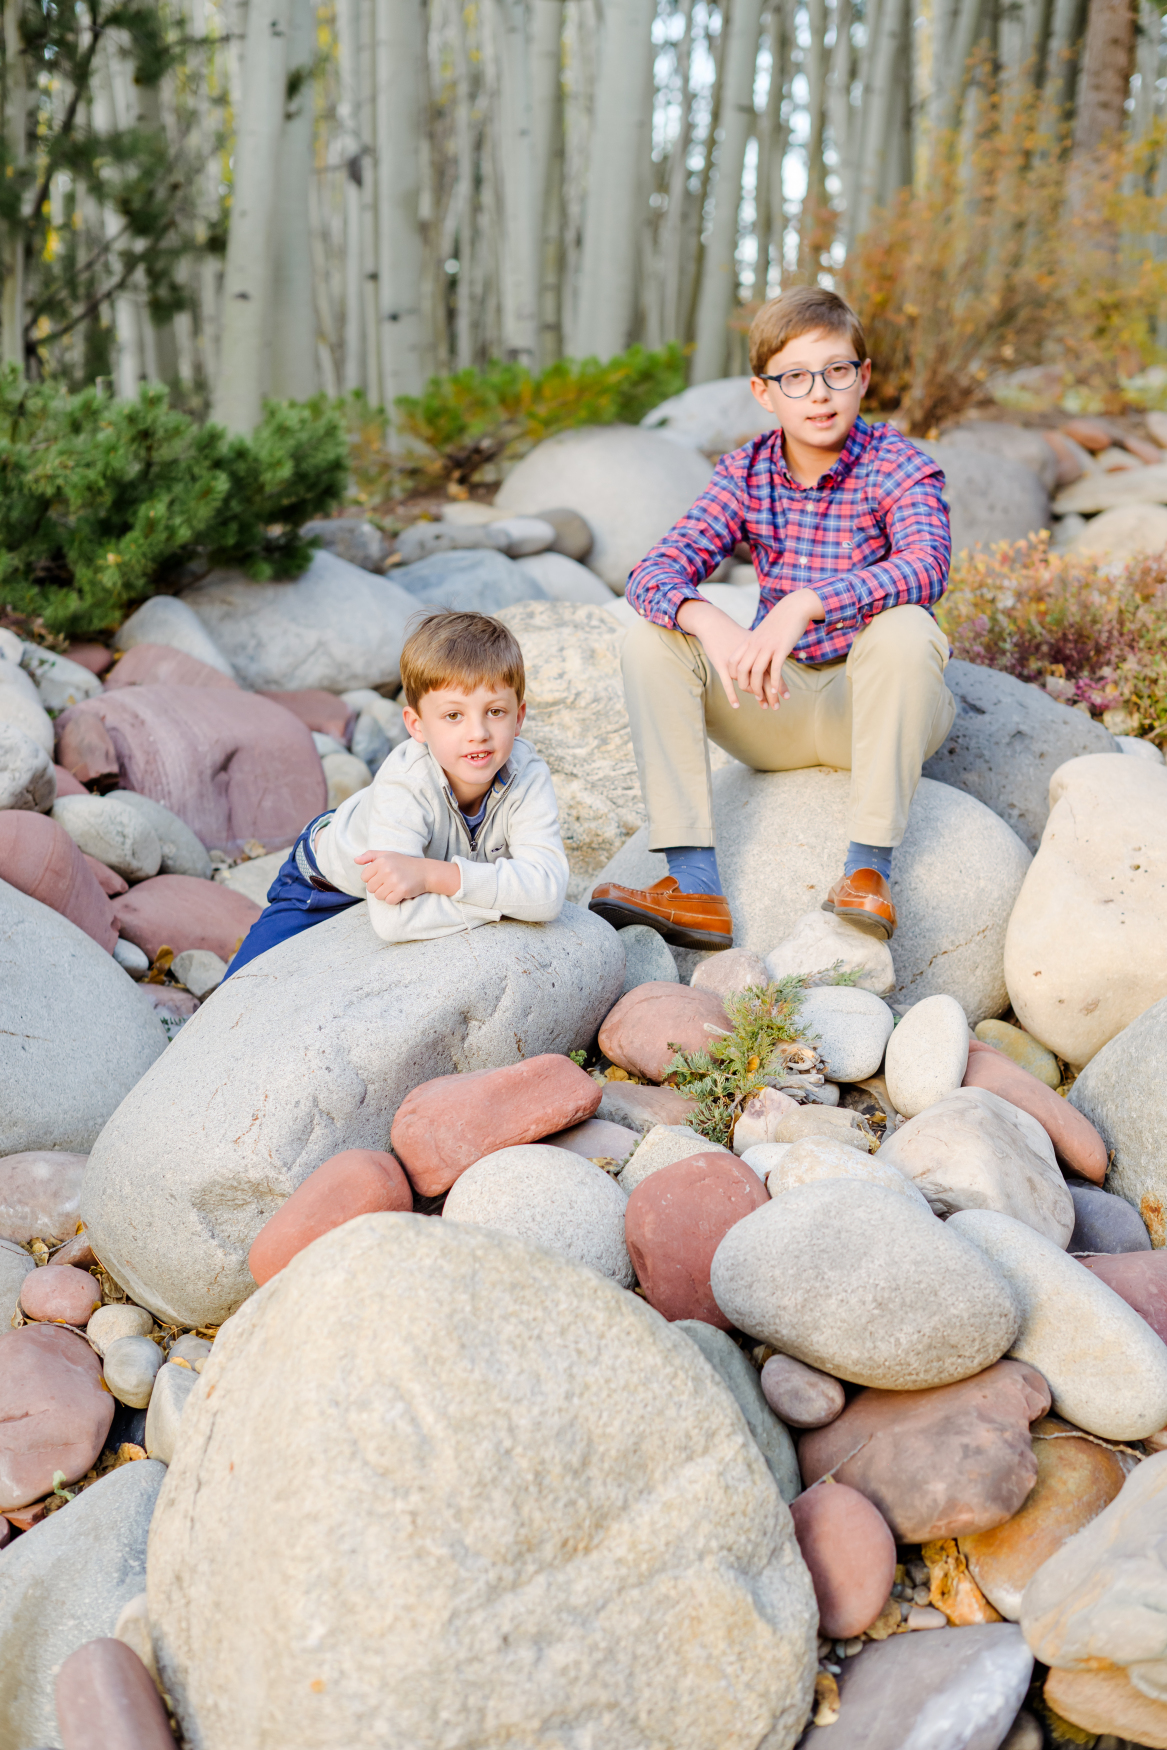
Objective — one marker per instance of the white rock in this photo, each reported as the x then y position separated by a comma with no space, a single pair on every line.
1106,1368
346,774
15,1264
760,1118
629,486
27,778
40,1195
168,1400
188,1348
713,417
183,852
1008,443
822,1273
165,619
763,1157
1086,950
1123,1092
129,1367
11,647
59,682
523,536
15,678
117,835
781,842
199,970
252,879
552,1198
387,712
369,741
741,1378
337,626
816,1158
927,1054
24,713
974,1150
1101,491
131,958
326,744
841,1123
820,942
1118,536
109,1324
660,1147
647,959
336,1026
75,1035
1141,748
503,1499
566,580
851,1026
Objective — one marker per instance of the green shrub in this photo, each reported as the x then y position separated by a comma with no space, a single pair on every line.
100,500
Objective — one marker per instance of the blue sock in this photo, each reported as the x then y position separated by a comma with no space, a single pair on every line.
867,857
694,868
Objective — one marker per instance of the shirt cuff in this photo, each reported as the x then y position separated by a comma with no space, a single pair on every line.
841,601
479,884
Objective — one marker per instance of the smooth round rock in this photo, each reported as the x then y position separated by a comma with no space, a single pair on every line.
183,852
674,1222
730,971
597,1139
817,1158
820,1273
763,1157
38,857
804,1397
40,1195
59,1294
359,1181
188,1347
1106,1368
927,1054
1078,1145
106,1696
821,942
852,1027
115,834
110,1323
130,958
1104,1700
1105,1223
647,958
1028,1053
660,1147
851,1555
55,1414
553,1199
27,775
1141,1279
345,774
130,1365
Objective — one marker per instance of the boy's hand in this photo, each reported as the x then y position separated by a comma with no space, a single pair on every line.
394,878
752,660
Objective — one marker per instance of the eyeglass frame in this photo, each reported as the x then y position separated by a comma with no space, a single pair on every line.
796,370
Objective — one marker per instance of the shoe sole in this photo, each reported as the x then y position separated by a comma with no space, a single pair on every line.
863,920
620,916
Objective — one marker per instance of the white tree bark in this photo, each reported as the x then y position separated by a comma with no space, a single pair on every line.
671,234
881,117
238,400
401,85
816,172
606,309
292,374
520,183
15,122
370,302
547,128
718,273
348,27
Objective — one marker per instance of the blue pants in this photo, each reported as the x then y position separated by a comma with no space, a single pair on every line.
294,902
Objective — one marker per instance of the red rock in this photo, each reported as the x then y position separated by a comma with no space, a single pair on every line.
182,911
147,665
6,1529
24,1518
107,879
40,1193
944,1462
105,1697
675,1221
359,1181
1140,1278
1089,433
38,856
318,710
77,1252
67,784
445,1125
85,748
1076,1142
801,1396
55,1414
1070,467
1104,1700
95,657
233,766
60,1294
851,1554
646,1024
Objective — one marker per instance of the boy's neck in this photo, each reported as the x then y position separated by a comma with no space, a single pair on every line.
467,796
806,463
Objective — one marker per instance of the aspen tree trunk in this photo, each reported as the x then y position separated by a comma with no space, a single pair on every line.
718,275
401,83
881,115
672,232
520,182
127,363
811,219
1062,56
1106,72
620,139
238,401
547,116
839,111
462,203
292,370
15,124
158,339
966,23
370,324
348,27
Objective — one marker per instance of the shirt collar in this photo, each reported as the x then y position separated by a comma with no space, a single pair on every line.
857,439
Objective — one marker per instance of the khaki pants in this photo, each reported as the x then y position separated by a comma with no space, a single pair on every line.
881,713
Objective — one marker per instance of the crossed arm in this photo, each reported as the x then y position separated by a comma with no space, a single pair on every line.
752,660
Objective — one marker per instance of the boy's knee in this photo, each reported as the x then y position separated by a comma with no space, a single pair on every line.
644,645
905,638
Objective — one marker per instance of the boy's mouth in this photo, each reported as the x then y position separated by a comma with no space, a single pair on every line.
478,759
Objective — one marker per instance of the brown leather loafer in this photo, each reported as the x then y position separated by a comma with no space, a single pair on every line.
687,920
864,899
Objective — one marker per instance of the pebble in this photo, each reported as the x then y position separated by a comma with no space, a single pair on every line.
922,1616
647,959
1106,1368
106,1696
851,1555
737,1373
1105,1223
1024,1734
111,832
40,1194
130,1365
183,852
110,1323
816,1158
927,1054
1077,1143
1028,1053
1104,1700
130,958
1141,748
664,1144
345,774
760,1117
1141,1279
56,1415
733,970
199,971
821,942
189,1348
852,1026
168,1400
649,1024
359,1181
60,1294
641,1108
596,1139
552,1198
674,1222
804,1397
818,1273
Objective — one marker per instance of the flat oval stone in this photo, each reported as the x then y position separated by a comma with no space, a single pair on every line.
820,1272
38,856
927,1054
1105,1223
674,1222
40,1194
1028,1053
105,1695
182,911
804,1397
1078,1144
109,1323
851,1555
130,1366
852,1027
358,1181
60,1293
55,1417
1141,1279
553,1199
112,833
597,1139
640,1032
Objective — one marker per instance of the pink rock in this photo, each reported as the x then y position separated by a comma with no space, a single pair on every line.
1076,1142
182,911
851,1554
359,1181
234,766
1140,1278
147,665
76,1251
675,1221
1070,464
106,1697
85,748
445,1125
67,784
642,1030
107,879
95,657
55,1415
734,969
40,1191
60,1294
596,1140
318,710
39,857
801,1395
170,1002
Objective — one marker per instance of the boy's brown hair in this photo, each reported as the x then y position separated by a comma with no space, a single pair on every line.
449,648
800,311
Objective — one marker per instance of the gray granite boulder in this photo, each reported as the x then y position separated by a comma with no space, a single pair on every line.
480,581
1123,1092
166,619
741,1377
183,852
990,498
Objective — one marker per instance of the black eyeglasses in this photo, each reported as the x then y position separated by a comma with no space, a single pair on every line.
796,384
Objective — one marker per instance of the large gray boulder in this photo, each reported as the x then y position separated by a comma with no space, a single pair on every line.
1008,443
1007,740
990,498
713,417
509,1520
307,1051
1123,1092
337,626
479,581
74,1033
63,1583
166,619
781,841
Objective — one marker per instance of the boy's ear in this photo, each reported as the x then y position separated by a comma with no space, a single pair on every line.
412,722
864,377
522,712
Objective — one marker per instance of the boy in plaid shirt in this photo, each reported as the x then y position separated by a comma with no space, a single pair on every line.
844,665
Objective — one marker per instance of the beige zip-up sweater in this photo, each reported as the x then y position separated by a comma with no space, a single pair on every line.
514,867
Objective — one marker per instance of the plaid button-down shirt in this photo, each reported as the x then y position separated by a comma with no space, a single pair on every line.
872,534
